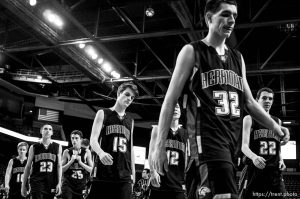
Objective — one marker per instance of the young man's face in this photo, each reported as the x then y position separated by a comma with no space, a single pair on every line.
177,112
145,174
76,140
266,100
22,150
47,131
223,21
126,97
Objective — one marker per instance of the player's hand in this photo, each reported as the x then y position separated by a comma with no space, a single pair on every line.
281,165
23,191
58,189
155,179
159,160
73,157
6,189
105,158
259,162
78,158
286,136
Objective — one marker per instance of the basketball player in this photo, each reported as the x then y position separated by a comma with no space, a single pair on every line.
170,185
85,143
142,186
76,166
218,91
44,160
111,140
262,147
14,172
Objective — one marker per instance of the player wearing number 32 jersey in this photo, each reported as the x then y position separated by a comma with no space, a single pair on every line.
45,161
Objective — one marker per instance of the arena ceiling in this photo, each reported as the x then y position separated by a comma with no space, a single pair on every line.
41,59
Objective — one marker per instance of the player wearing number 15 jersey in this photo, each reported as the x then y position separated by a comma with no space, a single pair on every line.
44,160
170,185
14,172
111,140
76,166
262,173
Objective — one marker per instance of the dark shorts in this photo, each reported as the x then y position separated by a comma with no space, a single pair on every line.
110,190
156,194
259,183
217,180
15,195
40,195
69,193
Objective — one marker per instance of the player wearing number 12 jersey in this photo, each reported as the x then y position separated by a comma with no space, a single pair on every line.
262,173
76,166
14,172
170,185
44,160
111,140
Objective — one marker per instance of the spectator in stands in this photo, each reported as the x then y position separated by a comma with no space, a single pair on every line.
264,163
141,188
14,172
85,143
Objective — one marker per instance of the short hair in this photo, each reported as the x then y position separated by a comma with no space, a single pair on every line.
85,142
214,5
45,125
268,90
126,85
77,132
147,170
22,144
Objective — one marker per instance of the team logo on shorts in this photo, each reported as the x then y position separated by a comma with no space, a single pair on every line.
202,191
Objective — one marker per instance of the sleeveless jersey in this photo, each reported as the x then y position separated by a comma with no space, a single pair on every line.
115,139
214,104
175,148
16,175
76,176
44,168
264,143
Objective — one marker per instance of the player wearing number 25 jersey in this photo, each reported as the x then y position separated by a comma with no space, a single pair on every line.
111,140
44,162
76,166
14,172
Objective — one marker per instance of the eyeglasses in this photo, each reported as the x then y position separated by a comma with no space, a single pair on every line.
128,95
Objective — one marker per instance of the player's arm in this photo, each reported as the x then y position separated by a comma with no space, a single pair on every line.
154,176
132,154
27,170
88,157
8,175
183,69
257,160
65,160
282,166
104,157
59,170
257,112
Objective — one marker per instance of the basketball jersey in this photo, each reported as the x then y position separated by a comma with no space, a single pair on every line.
17,175
173,180
44,168
76,176
265,143
115,139
214,103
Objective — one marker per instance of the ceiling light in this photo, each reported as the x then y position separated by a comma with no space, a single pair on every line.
100,61
32,2
53,18
81,45
94,56
115,74
149,12
107,67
